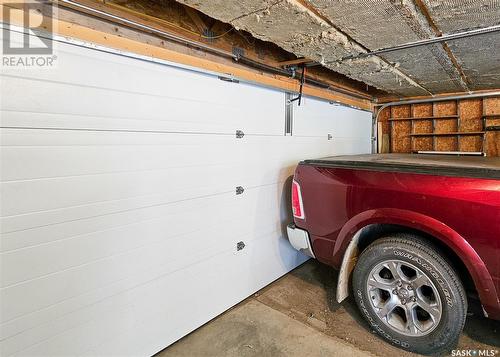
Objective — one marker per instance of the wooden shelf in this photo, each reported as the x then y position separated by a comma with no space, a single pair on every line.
425,118
461,153
455,133
416,118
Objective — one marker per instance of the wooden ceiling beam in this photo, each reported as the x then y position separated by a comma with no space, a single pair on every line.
294,62
197,20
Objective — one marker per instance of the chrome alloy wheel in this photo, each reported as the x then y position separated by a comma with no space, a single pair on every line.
404,298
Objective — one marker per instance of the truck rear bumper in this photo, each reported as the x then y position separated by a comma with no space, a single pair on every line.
299,239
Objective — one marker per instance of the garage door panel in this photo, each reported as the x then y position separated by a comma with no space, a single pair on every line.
70,193
99,122
317,117
119,73
273,159
35,162
259,259
35,137
39,330
112,106
105,109
183,305
43,227
47,161
160,258
116,86
88,191
22,197
120,221
34,261
135,205
345,146
170,238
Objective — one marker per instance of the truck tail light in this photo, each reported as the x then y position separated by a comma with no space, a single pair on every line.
297,206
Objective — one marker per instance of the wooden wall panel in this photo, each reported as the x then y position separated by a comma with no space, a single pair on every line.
422,126
492,138
400,136
471,113
492,143
492,106
445,143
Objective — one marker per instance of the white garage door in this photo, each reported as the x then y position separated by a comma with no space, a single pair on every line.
120,218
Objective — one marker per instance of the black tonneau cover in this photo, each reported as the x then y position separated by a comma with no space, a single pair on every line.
441,165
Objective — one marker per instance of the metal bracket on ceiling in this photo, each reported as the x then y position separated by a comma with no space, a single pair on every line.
292,70
238,53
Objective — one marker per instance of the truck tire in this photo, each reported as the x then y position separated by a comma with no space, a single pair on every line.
409,294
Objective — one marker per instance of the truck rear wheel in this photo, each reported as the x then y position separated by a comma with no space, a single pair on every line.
409,294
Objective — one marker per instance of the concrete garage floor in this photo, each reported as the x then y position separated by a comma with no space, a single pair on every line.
298,315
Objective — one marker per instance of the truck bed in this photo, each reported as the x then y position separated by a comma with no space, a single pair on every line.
441,165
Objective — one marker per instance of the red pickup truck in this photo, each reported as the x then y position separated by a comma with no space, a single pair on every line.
410,233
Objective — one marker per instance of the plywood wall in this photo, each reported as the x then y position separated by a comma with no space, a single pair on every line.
492,110
400,134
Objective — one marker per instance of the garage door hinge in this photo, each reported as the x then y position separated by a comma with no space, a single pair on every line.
229,79
330,136
239,190
240,245
239,134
